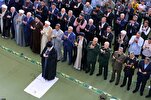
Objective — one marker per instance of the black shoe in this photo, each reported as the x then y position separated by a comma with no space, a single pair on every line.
141,94
105,78
63,60
99,74
128,89
147,96
111,81
86,71
122,85
116,83
58,60
91,74
70,64
134,91
12,37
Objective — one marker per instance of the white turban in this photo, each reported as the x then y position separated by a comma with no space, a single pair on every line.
21,11
4,6
47,22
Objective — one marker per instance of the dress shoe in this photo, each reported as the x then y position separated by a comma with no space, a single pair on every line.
87,71
63,60
141,94
99,74
111,81
105,78
91,74
128,89
116,83
122,85
12,37
147,96
134,91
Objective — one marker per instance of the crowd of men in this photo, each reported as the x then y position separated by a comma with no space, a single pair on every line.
85,29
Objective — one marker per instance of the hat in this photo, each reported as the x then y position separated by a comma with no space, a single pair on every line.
21,11
98,6
49,44
4,6
47,22
81,34
38,16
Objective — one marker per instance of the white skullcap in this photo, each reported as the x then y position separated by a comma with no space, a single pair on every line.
123,32
4,6
47,22
21,11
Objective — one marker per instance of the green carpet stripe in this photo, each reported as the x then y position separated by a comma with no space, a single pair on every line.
82,84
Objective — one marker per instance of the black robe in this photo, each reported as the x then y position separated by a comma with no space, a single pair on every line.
36,37
49,65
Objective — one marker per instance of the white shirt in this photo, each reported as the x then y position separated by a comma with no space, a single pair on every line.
146,49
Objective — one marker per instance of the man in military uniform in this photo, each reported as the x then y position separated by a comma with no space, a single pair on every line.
117,63
92,52
103,60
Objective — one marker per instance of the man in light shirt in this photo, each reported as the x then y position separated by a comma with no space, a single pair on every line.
136,43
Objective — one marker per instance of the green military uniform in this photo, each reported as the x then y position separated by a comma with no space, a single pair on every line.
117,66
104,56
91,57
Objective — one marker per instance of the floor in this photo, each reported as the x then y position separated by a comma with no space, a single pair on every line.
17,73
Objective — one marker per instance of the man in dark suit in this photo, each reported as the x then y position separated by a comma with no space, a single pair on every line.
61,18
109,16
53,13
102,28
90,30
107,36
120,24
69,4
27,21
44,12
69,19
78,7
143,74
28,6
96,15
68,44
132,28
12,14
